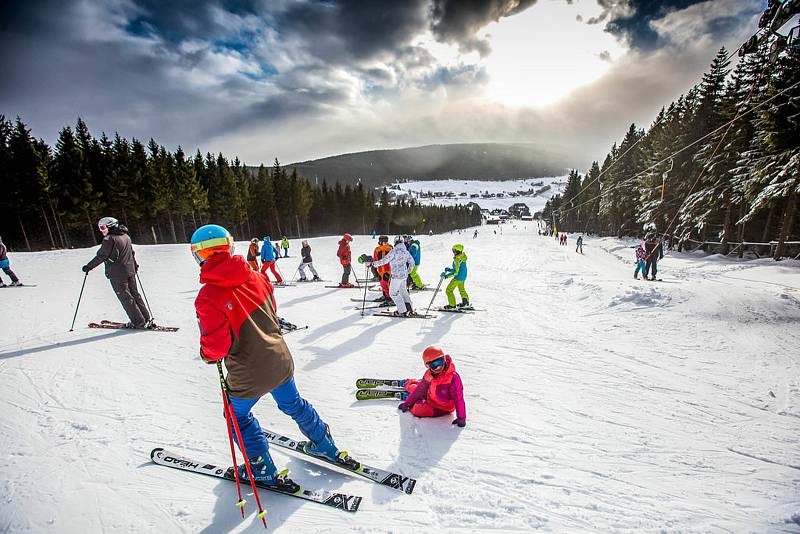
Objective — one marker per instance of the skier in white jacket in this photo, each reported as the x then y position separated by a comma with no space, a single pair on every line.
402,264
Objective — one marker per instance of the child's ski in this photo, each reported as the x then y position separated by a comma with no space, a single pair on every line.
374,474
342,501
367,394
378,307
113,325
413,316
376,382
340,287
459,310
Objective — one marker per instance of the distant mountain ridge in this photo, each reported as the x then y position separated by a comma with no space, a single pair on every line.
477,161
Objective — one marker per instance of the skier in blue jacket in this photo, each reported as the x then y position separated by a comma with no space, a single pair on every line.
268,259
415,250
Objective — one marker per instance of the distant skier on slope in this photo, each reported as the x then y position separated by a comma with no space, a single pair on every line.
268,259
458,273
579,244
344,258
5,264
285,247
116,252
401,264
440,392
415,249
305,252
384,271
236,312
253,253
475,234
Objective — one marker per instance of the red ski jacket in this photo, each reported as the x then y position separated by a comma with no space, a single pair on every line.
238,322
344,252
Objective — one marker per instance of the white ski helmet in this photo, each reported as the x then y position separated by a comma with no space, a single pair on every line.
108,222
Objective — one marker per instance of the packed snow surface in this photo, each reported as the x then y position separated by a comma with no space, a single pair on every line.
596,402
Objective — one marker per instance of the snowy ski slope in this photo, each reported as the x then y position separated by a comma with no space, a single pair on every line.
596,403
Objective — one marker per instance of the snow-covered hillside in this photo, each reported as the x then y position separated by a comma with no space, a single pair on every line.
596,403
481,187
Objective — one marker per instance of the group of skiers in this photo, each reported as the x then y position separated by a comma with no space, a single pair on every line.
237,315
236,310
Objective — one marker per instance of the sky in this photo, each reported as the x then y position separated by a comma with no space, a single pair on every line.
303,79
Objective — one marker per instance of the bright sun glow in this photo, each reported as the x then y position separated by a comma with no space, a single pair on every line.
542,54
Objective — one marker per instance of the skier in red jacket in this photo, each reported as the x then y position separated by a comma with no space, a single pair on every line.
344,258
236,311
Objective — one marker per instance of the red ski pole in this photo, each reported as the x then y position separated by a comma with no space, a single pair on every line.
230,420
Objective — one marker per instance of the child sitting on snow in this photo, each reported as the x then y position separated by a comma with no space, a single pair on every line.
440,391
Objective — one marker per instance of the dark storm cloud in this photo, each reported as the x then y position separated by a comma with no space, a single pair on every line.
458,21
632,20
355,29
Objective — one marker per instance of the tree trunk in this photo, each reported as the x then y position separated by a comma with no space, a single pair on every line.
741,234
55,221
91,227
155,239
726,229
24,233
786,227
47,224
183,229
297,220
765,235
172,227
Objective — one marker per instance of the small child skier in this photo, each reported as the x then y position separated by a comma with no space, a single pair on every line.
458,273
285,247
440,391
5,265
384,271
253,253
305,252
641,265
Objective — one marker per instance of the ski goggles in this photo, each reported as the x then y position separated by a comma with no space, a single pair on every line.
205,249
437,363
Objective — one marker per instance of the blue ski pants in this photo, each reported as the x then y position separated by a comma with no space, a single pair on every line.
640,266
289,402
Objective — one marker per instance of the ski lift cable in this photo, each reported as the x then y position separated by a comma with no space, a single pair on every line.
656,164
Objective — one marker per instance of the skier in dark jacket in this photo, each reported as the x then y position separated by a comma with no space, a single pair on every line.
5,265
307,261
653,252
116,252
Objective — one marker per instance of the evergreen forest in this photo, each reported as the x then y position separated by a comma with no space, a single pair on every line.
53,196
721,164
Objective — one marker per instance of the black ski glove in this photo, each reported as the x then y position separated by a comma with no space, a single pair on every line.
86,268
460,422
403,407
